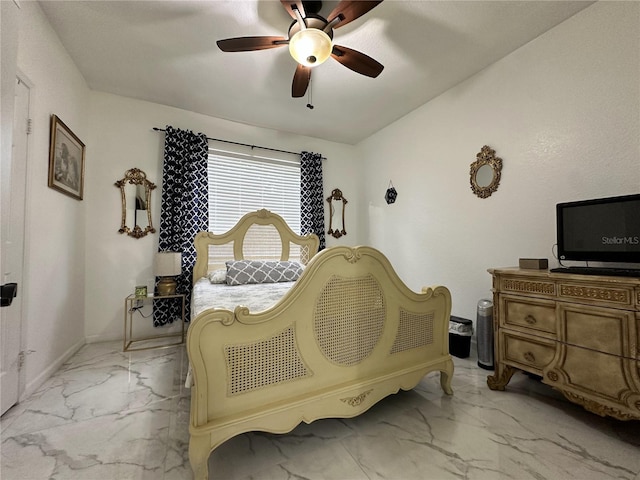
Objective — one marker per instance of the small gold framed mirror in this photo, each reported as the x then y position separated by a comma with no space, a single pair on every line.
485,172
336,194
135,193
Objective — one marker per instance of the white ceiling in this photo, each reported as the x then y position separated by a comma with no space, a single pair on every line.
165,52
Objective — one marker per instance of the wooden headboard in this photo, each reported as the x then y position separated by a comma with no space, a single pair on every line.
254,234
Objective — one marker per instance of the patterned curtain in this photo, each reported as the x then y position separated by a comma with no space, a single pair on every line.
185,210
311,196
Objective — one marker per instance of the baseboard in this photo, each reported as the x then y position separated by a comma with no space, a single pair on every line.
33,385
112,337
104,338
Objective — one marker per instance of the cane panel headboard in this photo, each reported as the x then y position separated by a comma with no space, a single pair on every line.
259,235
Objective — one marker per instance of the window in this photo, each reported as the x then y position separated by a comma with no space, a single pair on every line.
239,184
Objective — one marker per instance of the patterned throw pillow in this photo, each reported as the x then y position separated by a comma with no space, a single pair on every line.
242,272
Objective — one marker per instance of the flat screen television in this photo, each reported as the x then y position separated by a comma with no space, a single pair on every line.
600,230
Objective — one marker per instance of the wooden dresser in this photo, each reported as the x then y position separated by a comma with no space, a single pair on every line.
580,333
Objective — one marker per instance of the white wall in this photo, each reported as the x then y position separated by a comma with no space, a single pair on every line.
54,286
121,137
563,114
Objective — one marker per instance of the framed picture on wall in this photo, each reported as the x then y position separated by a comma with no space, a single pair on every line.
66,160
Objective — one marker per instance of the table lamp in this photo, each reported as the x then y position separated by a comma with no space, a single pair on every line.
168,265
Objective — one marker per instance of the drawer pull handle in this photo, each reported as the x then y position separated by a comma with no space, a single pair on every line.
529,357
530,319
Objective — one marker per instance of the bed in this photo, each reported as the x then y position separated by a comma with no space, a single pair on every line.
345,333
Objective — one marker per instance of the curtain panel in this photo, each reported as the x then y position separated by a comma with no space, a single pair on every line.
311,196
184,210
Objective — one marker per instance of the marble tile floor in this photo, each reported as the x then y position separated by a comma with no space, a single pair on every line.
112,415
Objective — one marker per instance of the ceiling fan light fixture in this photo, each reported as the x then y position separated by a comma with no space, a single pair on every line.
310,47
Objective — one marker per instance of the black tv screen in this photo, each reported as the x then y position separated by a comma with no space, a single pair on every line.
600,230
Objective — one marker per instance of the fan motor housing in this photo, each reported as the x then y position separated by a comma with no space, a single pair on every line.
312,21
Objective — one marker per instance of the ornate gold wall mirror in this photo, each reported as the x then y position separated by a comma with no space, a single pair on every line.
135,193
485,172
336,195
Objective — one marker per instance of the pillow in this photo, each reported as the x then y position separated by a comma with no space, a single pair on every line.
242,272
218,276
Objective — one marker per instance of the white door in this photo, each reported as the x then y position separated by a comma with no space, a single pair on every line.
13,177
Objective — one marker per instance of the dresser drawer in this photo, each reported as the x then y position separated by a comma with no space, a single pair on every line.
613,380
606,330
620,296
528,353
533,285
529,314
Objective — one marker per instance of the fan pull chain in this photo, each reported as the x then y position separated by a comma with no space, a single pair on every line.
309,98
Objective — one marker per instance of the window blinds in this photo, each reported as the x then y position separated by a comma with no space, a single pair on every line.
240,184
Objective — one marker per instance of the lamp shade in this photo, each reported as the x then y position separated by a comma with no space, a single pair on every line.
168,264
310,47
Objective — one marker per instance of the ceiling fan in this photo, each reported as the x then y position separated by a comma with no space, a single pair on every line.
310,40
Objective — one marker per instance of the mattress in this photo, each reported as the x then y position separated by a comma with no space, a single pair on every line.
256,297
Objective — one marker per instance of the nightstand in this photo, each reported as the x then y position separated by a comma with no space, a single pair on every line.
133,304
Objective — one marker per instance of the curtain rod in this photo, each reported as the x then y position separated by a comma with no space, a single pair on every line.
244,144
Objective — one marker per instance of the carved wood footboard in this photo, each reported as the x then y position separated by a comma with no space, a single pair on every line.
346,335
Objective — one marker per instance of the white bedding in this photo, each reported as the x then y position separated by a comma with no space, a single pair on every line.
256,297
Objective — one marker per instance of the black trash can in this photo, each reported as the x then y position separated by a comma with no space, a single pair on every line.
460,332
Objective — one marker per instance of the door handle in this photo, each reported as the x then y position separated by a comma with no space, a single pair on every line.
9,291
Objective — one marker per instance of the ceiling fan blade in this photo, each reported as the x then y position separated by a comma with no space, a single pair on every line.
350,10
301,80
246,44
357,61
287,6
